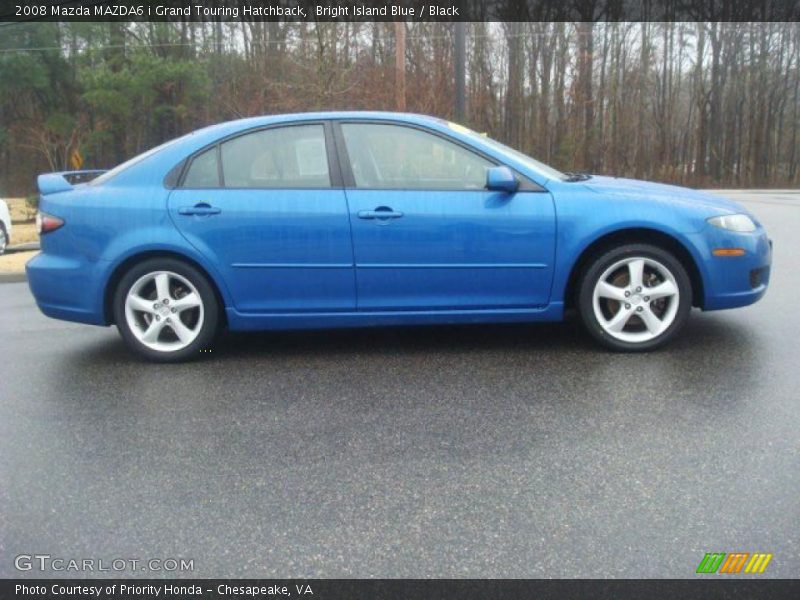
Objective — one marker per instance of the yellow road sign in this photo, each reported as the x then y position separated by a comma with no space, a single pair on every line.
75,159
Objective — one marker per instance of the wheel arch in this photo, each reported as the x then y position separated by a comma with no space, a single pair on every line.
633,235
128,263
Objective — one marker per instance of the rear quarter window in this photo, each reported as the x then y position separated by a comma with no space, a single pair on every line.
203,172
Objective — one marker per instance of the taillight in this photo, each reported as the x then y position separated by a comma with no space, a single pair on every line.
46,223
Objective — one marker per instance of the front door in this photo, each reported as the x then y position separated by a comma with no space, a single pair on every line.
427,235
262,208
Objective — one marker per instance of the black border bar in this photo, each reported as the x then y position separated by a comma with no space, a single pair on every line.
413,10
412,589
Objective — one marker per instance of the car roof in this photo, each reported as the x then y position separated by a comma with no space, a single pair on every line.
262,120
341,114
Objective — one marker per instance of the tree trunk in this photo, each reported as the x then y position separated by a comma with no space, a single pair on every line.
400,65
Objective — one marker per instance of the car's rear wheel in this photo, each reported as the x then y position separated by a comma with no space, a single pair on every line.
635,297
3,239
166,310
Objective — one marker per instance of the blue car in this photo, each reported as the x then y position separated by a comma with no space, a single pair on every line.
352,219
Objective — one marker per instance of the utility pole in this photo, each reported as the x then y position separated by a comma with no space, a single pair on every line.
461,71
400,65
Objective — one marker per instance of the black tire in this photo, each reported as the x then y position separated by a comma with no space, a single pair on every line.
211,309
606,260
3,239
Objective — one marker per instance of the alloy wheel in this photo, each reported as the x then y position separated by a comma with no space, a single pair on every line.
164,311
636,299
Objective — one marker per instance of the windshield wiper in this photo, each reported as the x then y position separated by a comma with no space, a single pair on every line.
573,176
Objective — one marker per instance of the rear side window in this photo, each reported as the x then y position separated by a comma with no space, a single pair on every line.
284,157
204,171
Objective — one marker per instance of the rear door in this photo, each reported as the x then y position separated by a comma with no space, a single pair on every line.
267,208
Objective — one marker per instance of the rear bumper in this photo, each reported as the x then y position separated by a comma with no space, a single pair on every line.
66,288
734,281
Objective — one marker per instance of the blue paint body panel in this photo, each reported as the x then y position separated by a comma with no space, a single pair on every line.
315,258
453,250
277,250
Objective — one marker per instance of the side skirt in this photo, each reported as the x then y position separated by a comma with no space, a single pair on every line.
238,321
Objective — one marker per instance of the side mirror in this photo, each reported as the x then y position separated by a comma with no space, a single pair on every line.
501,179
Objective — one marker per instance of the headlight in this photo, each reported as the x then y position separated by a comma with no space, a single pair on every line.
740,223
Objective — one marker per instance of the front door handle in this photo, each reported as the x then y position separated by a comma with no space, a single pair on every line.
199,209
382,213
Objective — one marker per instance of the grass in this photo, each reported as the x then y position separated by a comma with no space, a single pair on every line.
22,233
20,209
15,261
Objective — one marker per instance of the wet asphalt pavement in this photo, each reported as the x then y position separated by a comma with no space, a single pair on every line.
513,451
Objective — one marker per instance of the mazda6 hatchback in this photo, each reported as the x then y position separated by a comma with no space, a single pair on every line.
359,219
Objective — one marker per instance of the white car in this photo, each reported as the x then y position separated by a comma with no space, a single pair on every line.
5,226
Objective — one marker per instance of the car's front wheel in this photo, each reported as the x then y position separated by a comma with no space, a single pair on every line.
3,239
635,297
166,310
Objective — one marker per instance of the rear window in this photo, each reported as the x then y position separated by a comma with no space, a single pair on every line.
135,160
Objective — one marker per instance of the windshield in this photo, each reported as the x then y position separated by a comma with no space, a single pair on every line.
532,163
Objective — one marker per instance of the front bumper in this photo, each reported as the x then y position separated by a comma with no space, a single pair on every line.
734,281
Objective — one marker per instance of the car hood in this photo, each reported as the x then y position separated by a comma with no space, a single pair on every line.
661,192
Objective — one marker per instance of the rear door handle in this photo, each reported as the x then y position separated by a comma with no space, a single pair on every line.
200,209
379,214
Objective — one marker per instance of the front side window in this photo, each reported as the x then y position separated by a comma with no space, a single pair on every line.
397,157
284,157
